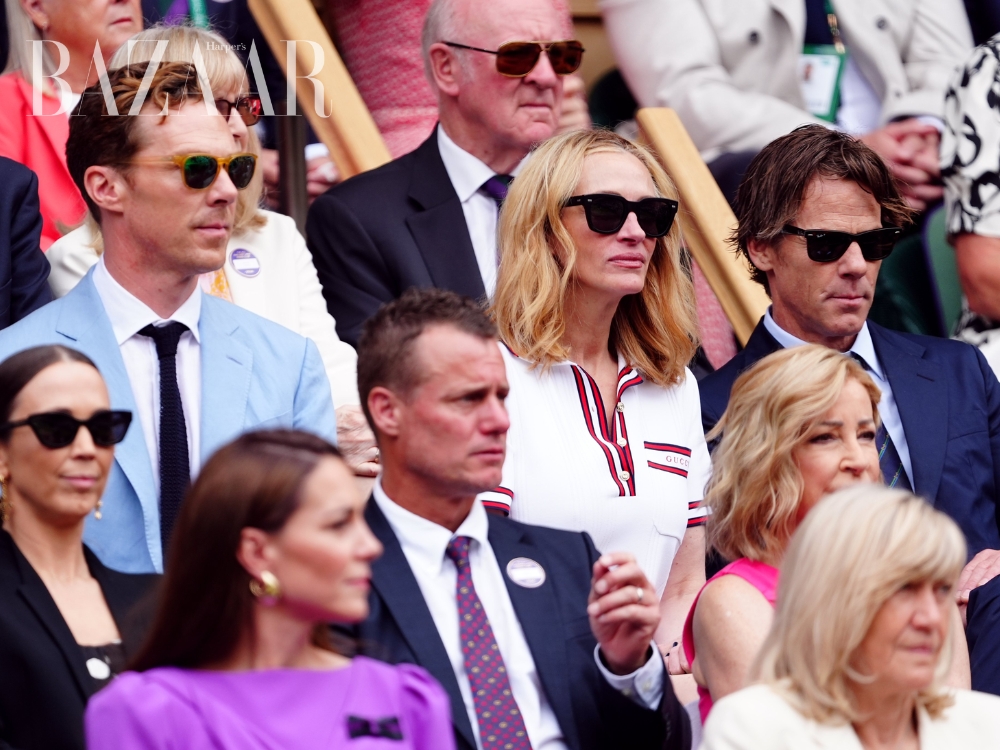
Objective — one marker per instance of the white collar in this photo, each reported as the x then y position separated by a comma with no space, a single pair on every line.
863,345
129,315
466,172
426,539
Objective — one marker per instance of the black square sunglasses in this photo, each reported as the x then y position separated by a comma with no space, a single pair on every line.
517,59
58,429
826,247
607,213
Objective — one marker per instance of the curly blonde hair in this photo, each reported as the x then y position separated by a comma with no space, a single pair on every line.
656,330
755,489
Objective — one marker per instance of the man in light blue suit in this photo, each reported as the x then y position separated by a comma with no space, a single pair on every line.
164,190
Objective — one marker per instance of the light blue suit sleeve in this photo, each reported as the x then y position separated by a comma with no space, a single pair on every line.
313,402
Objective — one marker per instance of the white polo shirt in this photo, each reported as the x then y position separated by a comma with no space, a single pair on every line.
635,487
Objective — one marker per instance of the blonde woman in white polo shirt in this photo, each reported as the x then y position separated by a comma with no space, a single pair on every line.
597,319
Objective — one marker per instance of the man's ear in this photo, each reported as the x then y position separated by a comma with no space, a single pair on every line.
106,186
444,68
762,254
385,408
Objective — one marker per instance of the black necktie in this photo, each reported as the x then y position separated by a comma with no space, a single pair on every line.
888,458
175,471
496,187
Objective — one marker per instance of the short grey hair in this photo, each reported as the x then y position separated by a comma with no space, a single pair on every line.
440,24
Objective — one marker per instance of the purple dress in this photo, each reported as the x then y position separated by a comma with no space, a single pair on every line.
366,706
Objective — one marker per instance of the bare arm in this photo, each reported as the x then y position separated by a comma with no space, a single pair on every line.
730,624
960,674
978,260
687,576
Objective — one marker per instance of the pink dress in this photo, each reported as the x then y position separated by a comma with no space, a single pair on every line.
762,577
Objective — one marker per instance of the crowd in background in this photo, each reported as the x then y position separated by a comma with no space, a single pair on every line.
475,460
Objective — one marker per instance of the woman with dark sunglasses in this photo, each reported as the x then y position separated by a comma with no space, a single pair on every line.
268,268
597,317
65,627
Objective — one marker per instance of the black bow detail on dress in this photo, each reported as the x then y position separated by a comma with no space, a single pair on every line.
387,727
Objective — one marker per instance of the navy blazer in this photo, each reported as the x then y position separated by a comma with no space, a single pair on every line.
44,682
24,269
591,714
377,234
949,402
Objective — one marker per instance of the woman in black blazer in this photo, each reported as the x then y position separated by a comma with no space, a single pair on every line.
65,628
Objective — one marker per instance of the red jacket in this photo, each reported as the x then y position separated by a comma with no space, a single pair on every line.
40,144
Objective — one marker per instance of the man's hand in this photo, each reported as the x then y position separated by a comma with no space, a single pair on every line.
573,114
623,612
981,569
356,441
910,150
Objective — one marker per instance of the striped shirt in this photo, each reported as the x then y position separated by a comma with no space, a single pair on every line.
634,486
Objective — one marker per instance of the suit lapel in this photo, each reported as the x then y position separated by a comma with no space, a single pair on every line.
32,590
439,228
922,409
84,321
226,369
538,612
398,588
760,344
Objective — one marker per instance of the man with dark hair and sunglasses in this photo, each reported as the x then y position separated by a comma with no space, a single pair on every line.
195,371
818,211
429,218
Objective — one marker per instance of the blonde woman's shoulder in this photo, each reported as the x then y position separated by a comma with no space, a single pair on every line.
972,721
759,718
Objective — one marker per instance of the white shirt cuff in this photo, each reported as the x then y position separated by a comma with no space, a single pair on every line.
644,686
316,149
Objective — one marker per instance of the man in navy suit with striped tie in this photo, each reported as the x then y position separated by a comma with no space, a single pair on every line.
818,211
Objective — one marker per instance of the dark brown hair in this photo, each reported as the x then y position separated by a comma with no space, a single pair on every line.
206,608
20,369
772,189
385,349
98,139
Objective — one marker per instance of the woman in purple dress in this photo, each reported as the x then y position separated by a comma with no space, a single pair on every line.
270,546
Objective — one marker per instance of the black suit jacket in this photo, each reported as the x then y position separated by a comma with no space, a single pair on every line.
377,234
591,714
24,269
44,683
949,402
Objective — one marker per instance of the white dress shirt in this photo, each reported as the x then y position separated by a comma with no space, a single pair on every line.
128,316
467,175
424,543
865,349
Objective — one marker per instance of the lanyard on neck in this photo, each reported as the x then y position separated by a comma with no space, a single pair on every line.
831,19
199,14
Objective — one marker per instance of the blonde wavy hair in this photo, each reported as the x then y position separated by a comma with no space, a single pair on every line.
755,489
854,550
656,330
226,72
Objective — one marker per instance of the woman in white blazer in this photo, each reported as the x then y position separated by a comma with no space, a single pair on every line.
268,268
860,646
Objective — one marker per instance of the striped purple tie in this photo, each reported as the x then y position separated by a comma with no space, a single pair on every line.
496,187
501,726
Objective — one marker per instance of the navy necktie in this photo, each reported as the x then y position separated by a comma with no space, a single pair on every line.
175,470
888,458
496,187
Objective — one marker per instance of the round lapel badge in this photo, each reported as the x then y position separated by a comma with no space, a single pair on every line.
244,262
526,572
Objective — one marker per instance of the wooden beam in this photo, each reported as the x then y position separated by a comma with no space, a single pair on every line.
706,220
349,132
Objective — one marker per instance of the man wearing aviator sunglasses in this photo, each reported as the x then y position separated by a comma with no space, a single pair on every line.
818,211
429,218
193,370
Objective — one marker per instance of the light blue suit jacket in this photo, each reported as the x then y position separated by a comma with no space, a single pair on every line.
255,375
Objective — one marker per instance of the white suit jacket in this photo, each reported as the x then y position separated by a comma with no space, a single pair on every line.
758,718
285,289
254,375
729,67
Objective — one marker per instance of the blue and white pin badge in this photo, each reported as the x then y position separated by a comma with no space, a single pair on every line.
244,262
526,572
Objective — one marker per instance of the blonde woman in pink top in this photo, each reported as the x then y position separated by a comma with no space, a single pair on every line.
800,424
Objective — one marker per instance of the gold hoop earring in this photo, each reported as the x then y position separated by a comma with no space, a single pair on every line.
97,509
267,589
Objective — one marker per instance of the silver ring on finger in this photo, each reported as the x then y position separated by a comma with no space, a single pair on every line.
638,595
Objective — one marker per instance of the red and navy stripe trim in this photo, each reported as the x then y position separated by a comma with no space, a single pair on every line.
668,447
670,469
701,520
581,390
497,505
624,456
